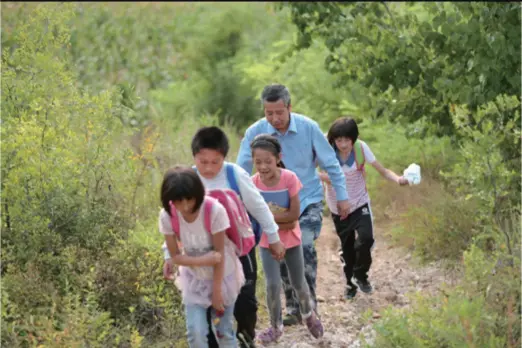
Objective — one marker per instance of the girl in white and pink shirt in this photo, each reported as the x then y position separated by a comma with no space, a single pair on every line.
210,273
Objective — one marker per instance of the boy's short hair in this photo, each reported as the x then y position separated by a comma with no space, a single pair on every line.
212,138
343,127
181,183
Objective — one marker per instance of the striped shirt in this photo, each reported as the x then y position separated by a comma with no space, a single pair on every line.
355,182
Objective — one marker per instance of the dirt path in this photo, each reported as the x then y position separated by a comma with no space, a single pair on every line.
393,275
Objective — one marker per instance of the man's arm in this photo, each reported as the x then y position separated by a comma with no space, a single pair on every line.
328,161
244,156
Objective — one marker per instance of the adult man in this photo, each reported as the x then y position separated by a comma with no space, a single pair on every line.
303,144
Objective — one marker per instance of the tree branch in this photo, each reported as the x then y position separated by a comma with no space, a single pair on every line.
389,14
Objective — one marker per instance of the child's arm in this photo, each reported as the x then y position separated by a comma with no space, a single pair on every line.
209,259
291,214
218,241
257,207
389,174
283,226
287,219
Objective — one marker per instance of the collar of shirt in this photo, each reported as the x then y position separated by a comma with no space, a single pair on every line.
292,127
349,161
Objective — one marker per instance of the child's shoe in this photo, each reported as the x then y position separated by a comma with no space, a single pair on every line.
314,325
364,285
350,292
270,335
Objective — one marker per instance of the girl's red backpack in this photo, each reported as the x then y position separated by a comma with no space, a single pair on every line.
240,231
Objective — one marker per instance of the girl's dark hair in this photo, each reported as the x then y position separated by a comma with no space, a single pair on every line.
181,183
269,143
343,127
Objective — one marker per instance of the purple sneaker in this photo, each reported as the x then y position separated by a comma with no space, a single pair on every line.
270,335
314,325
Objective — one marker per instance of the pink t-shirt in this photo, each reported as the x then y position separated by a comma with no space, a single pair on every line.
278,199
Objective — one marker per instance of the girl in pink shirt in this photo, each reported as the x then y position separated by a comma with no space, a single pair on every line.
280,189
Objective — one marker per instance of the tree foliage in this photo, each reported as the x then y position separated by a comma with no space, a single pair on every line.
70,196
418,66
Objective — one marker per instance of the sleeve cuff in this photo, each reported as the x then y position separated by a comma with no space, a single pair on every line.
272,237
343,196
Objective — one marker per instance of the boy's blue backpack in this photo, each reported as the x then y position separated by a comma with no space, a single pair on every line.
232,182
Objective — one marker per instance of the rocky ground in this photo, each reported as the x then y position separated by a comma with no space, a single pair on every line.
393,275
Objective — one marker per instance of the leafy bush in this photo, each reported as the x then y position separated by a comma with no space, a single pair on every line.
483,311
58,164
483,219
76,269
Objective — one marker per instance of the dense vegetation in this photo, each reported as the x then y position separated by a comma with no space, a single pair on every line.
99,99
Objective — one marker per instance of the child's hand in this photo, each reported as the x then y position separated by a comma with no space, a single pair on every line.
403,181
275,209
168,269
217,301
277,250
212,258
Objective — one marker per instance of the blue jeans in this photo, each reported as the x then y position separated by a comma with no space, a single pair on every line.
310,221
197,327
295,264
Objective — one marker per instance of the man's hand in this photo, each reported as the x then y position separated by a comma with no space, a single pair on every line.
324,177
343,208
402,181
277,250
168,269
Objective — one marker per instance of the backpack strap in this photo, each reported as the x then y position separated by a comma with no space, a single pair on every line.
207,214
232,182
360,160
174,220
359,155
231,177
207,203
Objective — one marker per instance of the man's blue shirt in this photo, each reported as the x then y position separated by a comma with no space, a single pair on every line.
302,145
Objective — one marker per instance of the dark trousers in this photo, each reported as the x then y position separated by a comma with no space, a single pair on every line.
245,309
356,252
